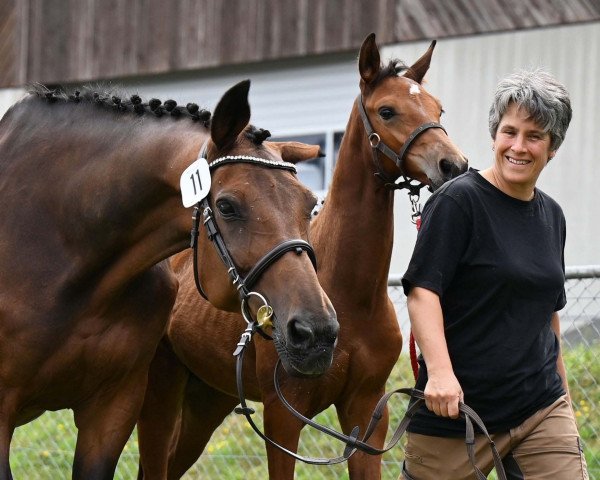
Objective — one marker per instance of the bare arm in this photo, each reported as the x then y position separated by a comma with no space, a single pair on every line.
560,364
442,392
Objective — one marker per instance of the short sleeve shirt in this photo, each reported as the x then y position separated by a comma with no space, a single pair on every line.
497,264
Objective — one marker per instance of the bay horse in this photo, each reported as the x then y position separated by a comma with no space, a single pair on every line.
192,384
90,190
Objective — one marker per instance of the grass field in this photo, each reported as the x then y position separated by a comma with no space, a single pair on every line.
43,449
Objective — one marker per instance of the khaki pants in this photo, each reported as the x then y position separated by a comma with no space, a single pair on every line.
544,447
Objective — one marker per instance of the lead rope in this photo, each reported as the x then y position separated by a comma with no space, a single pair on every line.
416,219
263,317
417,399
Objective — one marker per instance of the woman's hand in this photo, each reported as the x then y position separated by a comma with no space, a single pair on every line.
442,394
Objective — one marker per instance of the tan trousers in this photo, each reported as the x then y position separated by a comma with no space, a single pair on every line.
546,446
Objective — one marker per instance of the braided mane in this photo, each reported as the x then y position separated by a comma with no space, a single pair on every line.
118,101
256,135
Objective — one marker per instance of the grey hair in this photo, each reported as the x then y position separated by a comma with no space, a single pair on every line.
546,100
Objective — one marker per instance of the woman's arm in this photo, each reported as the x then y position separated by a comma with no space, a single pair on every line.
442,392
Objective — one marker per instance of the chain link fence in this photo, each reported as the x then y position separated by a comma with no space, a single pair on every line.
43,449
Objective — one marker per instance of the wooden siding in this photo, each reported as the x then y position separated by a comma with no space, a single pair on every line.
73,40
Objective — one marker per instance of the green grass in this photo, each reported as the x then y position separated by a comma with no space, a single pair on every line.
43,449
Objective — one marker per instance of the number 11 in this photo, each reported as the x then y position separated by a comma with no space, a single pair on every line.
197,173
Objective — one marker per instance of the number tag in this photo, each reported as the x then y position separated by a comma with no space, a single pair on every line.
195,182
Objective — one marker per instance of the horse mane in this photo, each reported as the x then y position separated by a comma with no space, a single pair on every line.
114,100
256,135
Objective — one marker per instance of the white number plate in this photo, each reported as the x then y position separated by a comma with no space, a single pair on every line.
195,182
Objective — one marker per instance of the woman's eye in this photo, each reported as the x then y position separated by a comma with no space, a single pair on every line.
386,113
226,209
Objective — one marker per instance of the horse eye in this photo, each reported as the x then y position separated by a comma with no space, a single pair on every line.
386,113
226,209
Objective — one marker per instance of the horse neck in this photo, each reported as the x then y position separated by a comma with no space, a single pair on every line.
354,228
127,205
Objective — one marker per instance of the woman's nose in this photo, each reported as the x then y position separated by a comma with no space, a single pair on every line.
519,144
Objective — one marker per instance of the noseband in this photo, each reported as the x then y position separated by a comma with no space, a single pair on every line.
398,158
242,284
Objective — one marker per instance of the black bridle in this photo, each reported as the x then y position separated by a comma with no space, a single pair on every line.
242,284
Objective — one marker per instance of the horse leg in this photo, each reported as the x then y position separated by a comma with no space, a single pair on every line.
362,465
161,409
104,425
284,429
6,432
204,409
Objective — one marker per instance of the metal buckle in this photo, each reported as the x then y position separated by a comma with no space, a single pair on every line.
374,140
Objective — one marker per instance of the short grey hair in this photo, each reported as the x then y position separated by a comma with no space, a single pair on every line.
546,100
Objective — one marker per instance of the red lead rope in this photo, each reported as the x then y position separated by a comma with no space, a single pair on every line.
412,346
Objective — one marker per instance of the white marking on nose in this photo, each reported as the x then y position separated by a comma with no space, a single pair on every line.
414,90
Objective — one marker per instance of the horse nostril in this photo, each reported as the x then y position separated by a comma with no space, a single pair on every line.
448,168
299,333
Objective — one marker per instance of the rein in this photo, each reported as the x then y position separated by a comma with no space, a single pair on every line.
353,443
247,411
417,399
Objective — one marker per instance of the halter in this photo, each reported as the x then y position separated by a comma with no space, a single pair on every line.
414,190
242,284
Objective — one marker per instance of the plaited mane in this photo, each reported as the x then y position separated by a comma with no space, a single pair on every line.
256,135
117,101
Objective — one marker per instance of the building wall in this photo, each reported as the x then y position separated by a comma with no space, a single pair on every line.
55,41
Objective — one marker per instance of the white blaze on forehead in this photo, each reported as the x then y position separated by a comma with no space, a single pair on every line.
414,89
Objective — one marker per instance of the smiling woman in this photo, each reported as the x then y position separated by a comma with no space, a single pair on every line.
522,149
484,287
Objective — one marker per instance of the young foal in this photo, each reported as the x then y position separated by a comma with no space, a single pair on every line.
352,236
90,190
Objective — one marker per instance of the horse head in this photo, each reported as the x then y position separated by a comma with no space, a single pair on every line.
258,205
404,114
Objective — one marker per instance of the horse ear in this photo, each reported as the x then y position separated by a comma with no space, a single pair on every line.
231,115
295,151
369,61
418,70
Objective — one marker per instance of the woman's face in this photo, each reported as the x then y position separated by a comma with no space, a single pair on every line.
522,150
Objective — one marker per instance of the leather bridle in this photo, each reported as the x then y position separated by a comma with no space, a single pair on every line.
242,284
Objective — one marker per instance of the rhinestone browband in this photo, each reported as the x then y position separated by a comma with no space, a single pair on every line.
254,160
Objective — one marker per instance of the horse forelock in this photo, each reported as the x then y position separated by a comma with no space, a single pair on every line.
115,100
394,68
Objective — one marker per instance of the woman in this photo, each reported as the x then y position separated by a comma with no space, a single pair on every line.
484,286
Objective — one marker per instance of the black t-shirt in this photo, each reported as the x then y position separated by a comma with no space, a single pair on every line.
497,264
